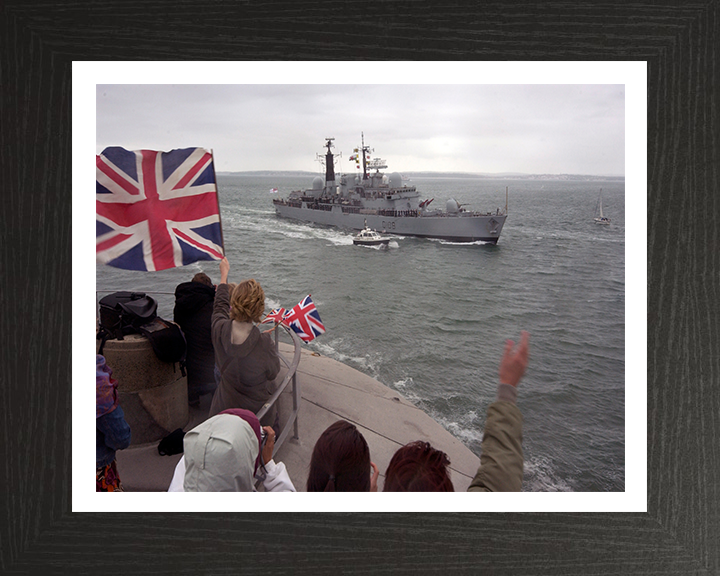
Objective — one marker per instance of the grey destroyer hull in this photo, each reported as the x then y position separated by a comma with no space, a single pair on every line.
384,203
453,228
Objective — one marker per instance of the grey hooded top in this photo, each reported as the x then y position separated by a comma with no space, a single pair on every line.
248,370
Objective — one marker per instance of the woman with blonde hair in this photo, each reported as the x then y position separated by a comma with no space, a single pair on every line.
247,360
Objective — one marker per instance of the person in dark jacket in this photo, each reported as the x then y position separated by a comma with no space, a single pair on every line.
193,312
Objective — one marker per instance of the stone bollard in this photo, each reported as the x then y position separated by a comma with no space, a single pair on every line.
152,393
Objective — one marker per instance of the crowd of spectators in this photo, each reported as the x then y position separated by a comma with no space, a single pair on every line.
232,450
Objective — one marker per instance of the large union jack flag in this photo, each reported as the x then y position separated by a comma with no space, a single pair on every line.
304,320
156,210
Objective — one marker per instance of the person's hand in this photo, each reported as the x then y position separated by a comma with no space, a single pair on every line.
514,360
374,477
224,270
267,452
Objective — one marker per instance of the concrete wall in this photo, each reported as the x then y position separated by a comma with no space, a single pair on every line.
152,394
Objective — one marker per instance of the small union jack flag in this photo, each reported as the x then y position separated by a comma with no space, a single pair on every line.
156,210
275,315
304,320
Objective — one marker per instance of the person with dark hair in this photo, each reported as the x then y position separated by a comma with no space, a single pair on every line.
340,461
193,313
418,467
247,360
112,431
230,452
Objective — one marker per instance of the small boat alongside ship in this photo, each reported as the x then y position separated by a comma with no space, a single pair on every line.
369,237
384,202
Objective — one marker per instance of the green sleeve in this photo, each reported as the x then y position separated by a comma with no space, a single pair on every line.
501,462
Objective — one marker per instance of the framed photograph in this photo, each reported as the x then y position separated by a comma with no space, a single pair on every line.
663,520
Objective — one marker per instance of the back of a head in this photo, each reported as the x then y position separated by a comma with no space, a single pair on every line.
202,278
340,461
247,301
220,455
418,467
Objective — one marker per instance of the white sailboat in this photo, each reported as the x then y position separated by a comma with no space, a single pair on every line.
601,219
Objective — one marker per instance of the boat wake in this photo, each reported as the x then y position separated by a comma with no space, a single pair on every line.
249,210
392,245
292,230
337,239
451,243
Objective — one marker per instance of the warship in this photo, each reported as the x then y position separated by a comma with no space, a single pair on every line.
383,202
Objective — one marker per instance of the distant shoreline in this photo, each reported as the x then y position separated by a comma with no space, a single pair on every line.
410,175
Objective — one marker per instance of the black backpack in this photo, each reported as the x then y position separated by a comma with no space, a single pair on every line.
167,339
124,312
136,313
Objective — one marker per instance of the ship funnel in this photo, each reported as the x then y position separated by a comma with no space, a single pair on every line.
329,162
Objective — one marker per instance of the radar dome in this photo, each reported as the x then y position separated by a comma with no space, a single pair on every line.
395,180
452,206
317,183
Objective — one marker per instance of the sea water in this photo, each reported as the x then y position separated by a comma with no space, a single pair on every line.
429,318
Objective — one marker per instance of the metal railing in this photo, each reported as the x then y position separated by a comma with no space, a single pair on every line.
291,376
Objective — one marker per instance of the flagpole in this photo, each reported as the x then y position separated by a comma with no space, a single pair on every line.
217,197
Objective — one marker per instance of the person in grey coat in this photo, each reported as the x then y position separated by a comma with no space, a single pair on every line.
247,360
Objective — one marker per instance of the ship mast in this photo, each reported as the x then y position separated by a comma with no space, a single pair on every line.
365,150
329,162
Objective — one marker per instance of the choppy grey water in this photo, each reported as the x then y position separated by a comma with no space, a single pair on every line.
429,318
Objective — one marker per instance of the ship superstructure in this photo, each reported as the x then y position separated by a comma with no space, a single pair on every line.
383,202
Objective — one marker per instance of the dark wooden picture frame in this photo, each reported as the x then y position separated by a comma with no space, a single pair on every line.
680,532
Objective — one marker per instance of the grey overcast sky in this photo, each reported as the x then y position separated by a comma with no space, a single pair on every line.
534,128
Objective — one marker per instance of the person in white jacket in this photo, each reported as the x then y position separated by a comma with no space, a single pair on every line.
226,454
